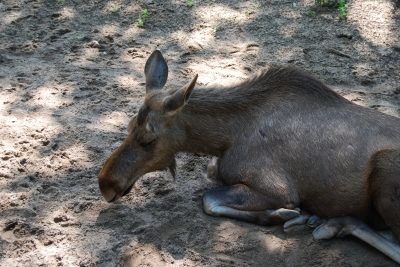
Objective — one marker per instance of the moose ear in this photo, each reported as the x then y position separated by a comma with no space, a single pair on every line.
156,72
180,97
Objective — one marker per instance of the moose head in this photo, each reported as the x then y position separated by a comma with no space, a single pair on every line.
155,133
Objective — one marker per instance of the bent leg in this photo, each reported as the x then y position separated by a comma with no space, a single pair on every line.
349,225
385,186
242,203
303,221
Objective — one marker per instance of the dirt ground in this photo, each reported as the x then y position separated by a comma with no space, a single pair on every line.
71,77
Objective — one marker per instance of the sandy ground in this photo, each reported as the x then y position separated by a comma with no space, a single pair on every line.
71,77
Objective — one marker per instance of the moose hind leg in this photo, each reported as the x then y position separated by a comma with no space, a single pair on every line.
385,186
349,225
242,203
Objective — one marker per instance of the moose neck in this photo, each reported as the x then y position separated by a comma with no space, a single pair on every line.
211,121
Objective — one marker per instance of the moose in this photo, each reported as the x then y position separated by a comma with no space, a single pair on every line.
284,142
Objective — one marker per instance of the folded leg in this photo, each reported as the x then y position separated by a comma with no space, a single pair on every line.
349,225
304,221
242,203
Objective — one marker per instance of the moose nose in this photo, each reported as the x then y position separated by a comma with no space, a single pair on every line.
110,188
116,174
109,194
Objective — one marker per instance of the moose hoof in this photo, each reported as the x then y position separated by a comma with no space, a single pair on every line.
302,222
315,221
339,226
283,215
327,230
296,224
278,216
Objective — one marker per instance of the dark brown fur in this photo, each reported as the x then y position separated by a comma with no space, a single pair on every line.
283,140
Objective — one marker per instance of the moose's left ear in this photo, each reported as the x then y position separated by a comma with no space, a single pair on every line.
180,97
156,71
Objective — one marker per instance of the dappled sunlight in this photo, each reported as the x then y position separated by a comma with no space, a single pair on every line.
76,155
378,28
71,79
109,29
209,20
356,98
89,55
197,40
21,123
35,152
383,106
130,33
132,11
210,74
228,237
127,81
67,13
11,202
140,254
292,15
228,231
47,97
58,244
111,7
9,18
227,70
4,107
218,13
272,243
111,122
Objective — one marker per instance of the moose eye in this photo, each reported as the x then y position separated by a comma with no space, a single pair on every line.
146,140
145,135
147,144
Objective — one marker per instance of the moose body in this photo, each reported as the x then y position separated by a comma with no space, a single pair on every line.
283,140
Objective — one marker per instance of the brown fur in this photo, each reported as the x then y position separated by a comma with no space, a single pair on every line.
283,140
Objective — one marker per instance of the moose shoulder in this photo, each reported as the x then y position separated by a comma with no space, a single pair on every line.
283,140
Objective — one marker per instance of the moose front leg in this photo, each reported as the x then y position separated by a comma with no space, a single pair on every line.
242,203
303,221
